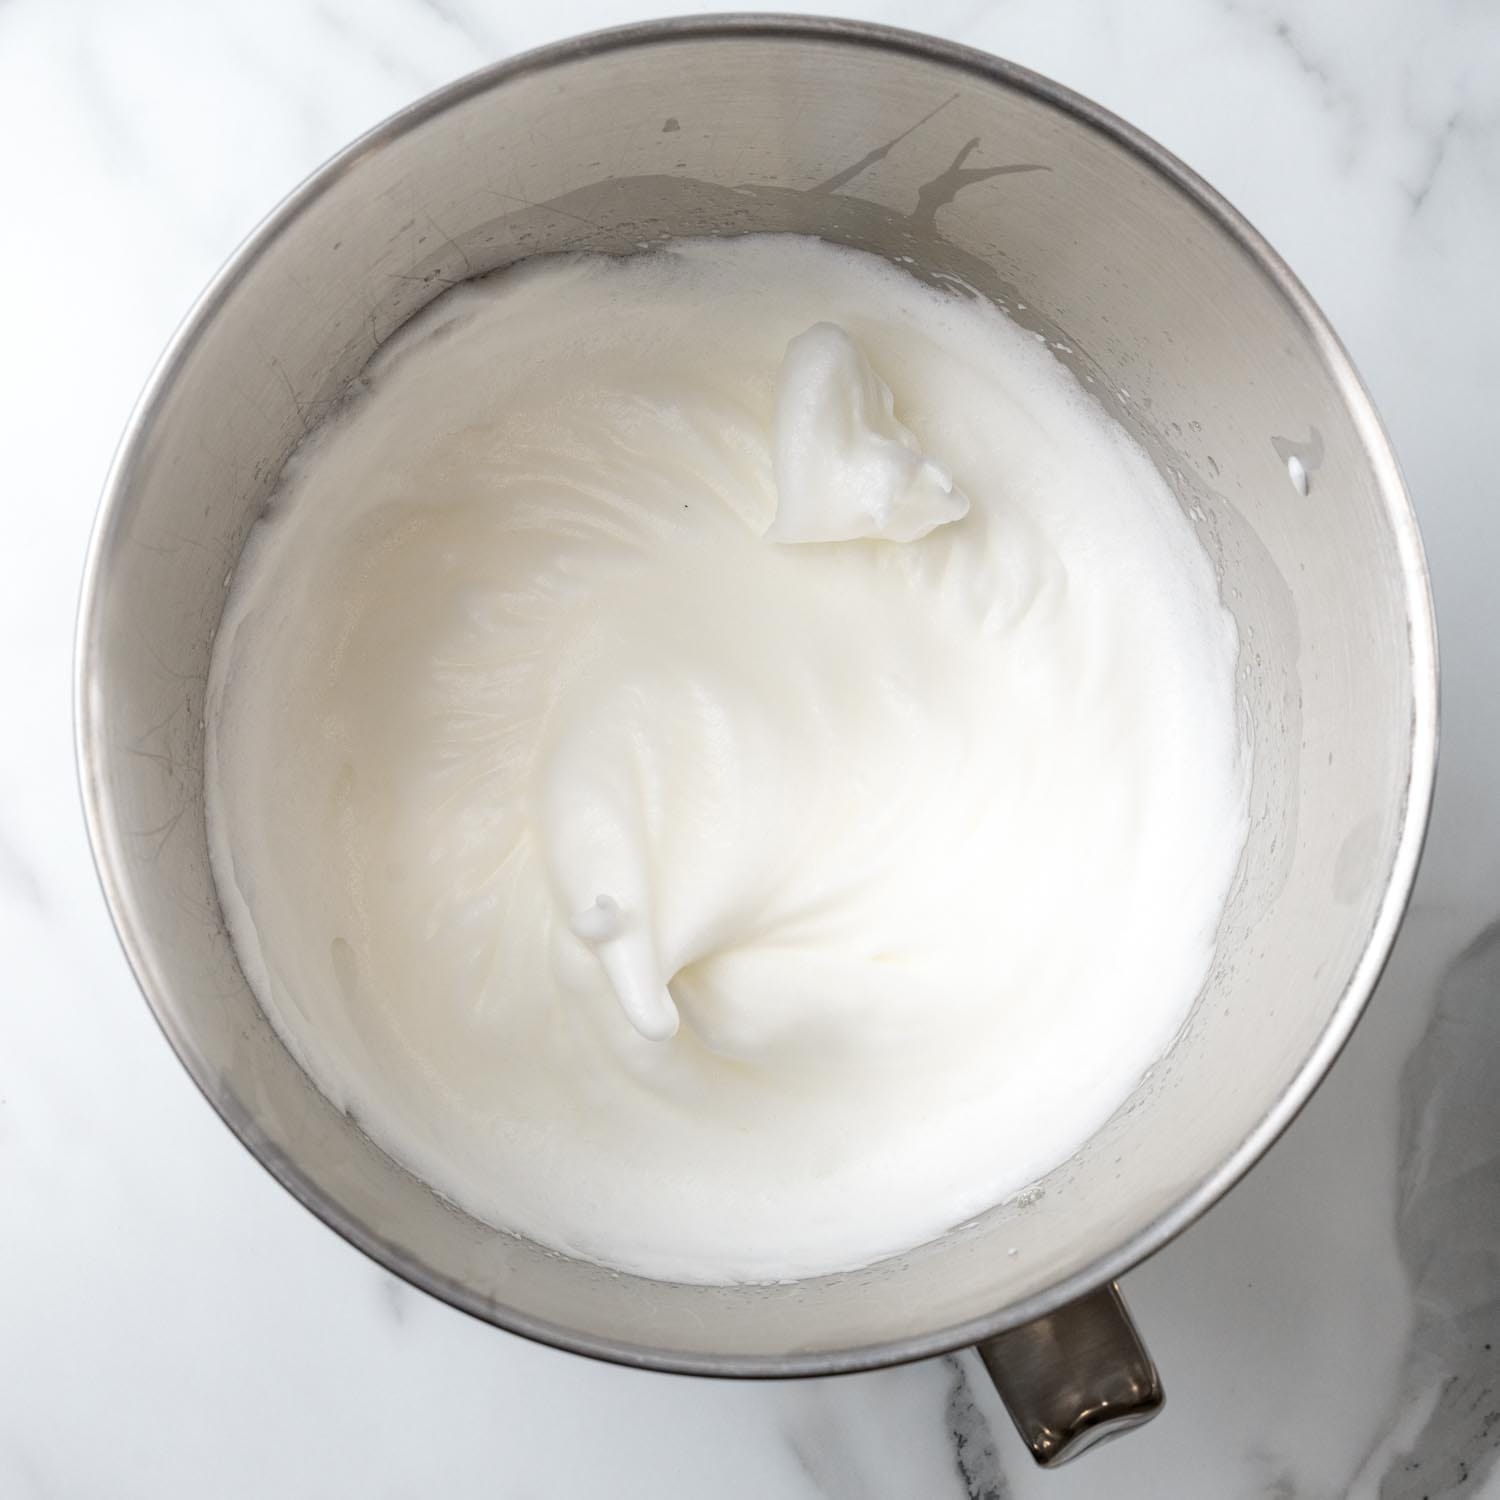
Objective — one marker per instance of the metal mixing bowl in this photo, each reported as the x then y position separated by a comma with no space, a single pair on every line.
1176,315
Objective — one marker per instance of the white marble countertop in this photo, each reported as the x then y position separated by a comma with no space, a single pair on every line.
173,1324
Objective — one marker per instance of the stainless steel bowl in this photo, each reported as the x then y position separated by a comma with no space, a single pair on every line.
1180,319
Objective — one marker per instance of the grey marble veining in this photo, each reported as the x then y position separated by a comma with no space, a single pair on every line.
172,1324
1448,1212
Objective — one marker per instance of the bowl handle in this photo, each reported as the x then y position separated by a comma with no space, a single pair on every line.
1075,1376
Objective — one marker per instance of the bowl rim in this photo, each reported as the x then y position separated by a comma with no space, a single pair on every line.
110,857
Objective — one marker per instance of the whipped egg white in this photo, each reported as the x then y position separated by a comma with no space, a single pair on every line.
725,761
